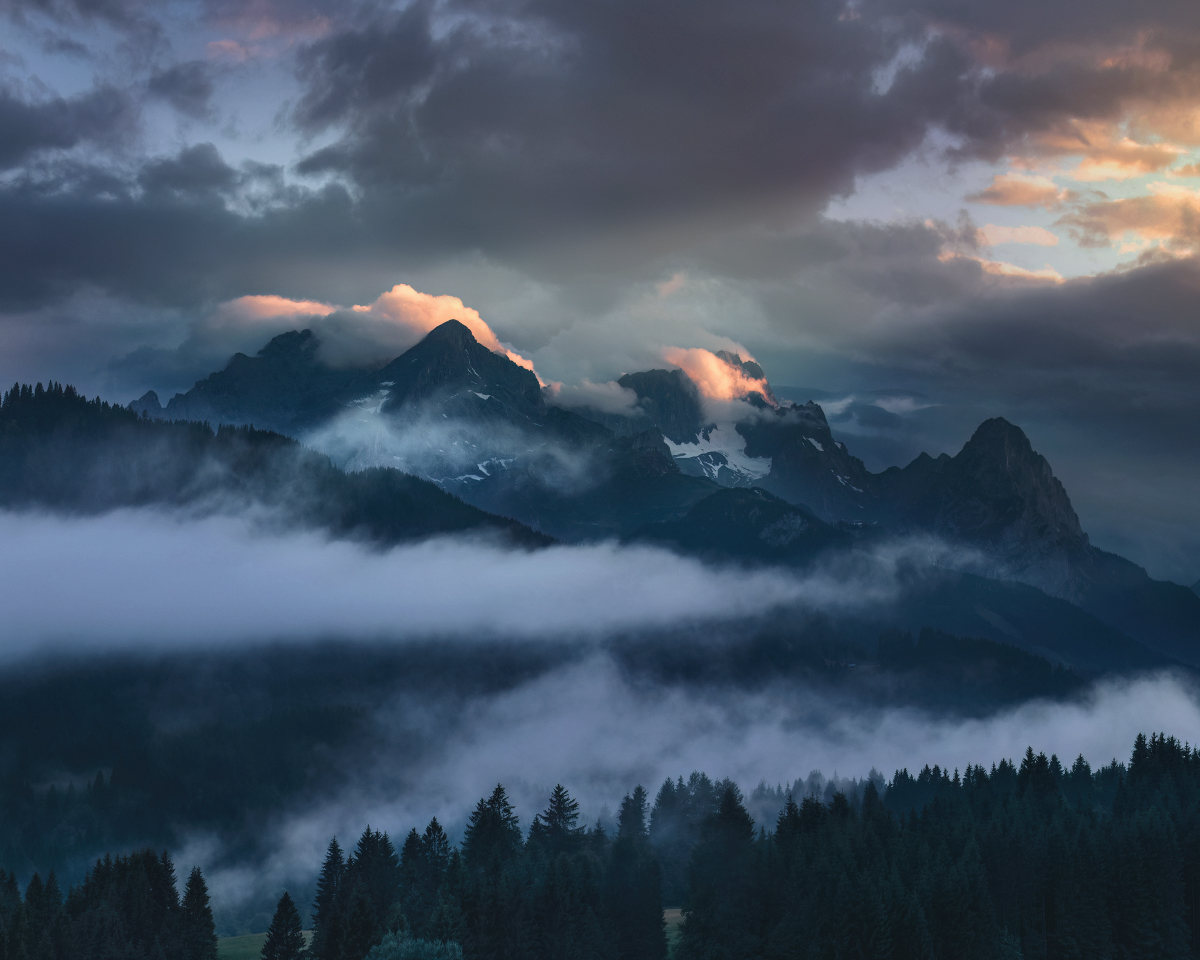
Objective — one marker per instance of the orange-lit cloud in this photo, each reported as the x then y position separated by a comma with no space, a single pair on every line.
715,378
1000,268
396,320
1125,159
421,312
1106,150
1018,190
990,234
260,310
1169,214
1190,170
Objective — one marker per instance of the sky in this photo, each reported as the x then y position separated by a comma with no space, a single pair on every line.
920,214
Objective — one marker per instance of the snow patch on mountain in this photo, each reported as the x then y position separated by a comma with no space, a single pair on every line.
720,455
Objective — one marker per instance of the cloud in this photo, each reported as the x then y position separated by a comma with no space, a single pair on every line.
1018,190
598,730
1106,153
188,87
1168,213
990,235
714,377
103,116
1005,270
607,397
418,313
143,580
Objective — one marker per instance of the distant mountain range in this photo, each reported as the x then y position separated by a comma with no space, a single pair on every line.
774,486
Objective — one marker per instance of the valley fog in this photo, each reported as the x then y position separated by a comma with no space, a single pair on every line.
156,580
468,663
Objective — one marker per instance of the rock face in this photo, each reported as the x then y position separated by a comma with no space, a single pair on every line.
997,494
669,400
147,404
451,366
747,523
286,388
807,465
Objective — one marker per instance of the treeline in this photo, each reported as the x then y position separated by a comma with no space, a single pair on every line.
60,450
562,891
1028,860
1022,861
128,908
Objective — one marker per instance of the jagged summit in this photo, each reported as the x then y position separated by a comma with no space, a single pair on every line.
450,361
997,490
451,331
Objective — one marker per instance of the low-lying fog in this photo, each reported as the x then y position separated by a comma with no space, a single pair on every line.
151,582
140,578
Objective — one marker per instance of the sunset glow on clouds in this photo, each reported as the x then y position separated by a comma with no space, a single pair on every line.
395,321
715,378
990,234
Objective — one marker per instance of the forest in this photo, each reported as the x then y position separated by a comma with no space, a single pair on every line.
1028,860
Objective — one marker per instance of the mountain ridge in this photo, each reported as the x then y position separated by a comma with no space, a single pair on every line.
581,475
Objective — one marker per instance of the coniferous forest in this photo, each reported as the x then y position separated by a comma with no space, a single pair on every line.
1029,860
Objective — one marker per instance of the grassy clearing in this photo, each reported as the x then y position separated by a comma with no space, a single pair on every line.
674,918
246,948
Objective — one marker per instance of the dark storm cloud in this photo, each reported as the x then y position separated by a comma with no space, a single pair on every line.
169,235
102,116
528,119
188,87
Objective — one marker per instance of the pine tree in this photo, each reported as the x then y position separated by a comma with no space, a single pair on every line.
634,886
197,932
554,829
285,940
327,921
493,832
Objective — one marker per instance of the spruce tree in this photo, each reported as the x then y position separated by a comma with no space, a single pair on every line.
197,932
493,832
634,886
285,940
554,829
327,908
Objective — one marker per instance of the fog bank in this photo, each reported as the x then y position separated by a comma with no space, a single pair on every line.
146,579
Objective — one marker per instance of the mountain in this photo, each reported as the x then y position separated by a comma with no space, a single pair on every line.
807,465
747,524
997,494
286,388
470,420
60,450
480,427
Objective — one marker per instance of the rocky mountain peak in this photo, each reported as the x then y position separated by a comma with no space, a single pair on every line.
449,360
294,347
1009,474
670,401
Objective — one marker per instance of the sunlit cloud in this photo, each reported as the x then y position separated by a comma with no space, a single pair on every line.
1019,190
991,235
395,321
1000,268
1169,213
715,378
